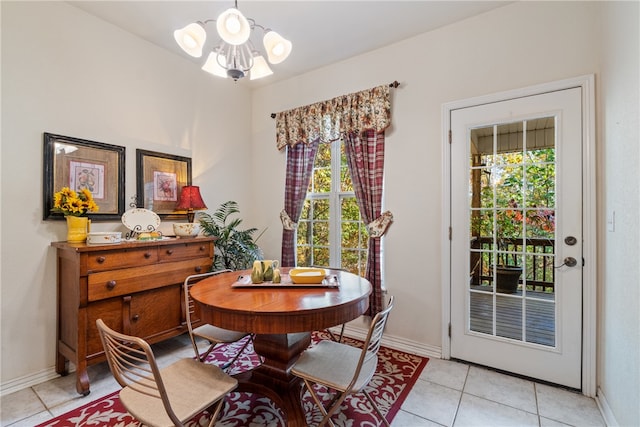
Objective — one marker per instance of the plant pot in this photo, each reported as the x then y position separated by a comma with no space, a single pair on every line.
507,279
77,228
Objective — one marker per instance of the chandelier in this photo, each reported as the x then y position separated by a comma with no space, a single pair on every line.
234,54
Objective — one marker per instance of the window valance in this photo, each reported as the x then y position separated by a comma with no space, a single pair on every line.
327,120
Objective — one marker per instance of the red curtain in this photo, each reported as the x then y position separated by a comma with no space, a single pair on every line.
365,157
300,158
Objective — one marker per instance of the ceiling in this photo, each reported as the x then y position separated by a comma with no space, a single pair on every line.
322,32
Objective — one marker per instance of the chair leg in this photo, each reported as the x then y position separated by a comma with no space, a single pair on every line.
194,344
335,404
309,386
218,407
339,337
202,357
382,417
238,354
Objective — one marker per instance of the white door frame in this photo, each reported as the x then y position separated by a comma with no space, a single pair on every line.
589,308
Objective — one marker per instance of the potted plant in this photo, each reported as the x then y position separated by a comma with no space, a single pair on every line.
508,230
539,222
235,249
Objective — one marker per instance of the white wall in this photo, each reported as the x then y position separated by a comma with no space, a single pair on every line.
66,72
514,46
115,88
519,45
619,334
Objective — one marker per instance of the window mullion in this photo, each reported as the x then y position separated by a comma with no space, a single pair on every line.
334,226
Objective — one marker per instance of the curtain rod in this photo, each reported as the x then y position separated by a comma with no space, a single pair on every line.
394,85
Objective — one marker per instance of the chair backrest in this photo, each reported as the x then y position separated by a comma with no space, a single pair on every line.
133,365
374,338
189,304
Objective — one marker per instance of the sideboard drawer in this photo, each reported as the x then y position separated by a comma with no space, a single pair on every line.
131,257
109,284
184,251
135,287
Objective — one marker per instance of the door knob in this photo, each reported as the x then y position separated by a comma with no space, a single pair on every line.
570,240
569,262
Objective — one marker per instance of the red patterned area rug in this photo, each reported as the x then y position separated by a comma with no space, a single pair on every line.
396,374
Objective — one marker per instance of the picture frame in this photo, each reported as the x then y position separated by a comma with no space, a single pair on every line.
159,181
79,163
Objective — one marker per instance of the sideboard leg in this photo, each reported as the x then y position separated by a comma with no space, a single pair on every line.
82,379
62,365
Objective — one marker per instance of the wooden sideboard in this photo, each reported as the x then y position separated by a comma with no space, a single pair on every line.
135,287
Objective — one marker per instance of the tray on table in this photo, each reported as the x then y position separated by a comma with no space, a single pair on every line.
244,281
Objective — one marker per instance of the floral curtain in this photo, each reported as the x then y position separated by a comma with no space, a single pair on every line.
360,118
330,120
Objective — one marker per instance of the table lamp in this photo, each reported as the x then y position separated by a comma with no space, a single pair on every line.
190,200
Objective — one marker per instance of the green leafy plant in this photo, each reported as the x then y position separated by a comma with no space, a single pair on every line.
235,249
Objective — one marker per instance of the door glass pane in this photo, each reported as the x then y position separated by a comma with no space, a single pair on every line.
540,322
481,319
512,210
509,317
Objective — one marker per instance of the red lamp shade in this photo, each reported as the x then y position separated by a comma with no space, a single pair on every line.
190,199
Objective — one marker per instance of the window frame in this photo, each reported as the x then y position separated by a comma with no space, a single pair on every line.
335,198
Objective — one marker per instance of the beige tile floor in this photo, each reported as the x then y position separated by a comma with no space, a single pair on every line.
446,394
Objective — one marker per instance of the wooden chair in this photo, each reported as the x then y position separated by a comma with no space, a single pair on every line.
162,397
342,367
213,334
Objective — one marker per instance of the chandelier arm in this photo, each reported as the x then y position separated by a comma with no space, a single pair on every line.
256,25
247,58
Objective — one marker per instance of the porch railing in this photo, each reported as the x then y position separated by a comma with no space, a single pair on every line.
538,256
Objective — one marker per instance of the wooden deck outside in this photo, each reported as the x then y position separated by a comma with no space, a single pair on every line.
539,319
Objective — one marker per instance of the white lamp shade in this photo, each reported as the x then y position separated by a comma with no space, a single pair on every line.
191,39
233,27
260,68
213,66
278,48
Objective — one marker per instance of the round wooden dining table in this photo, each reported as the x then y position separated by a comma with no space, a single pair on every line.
282,318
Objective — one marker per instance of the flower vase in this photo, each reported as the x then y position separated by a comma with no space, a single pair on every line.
77,228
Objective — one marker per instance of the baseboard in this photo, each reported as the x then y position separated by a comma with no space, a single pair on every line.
394,342
605,409
390,341
26,381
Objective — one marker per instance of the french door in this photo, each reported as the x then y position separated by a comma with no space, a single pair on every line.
516,235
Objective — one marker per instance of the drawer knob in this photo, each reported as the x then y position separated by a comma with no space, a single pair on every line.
202,248
169,251
135,317
198,269
147,254
111,284
101,259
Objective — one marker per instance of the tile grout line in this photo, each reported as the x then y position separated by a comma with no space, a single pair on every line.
464,385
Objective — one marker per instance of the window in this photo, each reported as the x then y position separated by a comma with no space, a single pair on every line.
330,231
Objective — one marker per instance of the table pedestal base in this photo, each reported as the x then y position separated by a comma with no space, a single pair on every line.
273,378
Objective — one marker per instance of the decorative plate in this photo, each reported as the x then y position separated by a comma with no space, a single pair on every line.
139,219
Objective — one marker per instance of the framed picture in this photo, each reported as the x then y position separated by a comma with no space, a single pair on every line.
79,164
159,180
